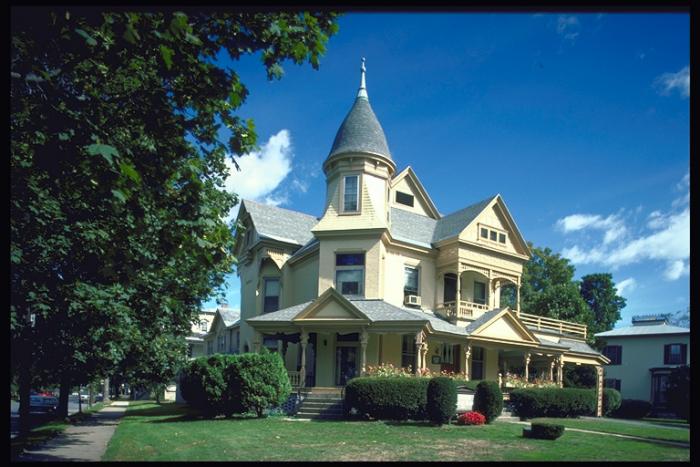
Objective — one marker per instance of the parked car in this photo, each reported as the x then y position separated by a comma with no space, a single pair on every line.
42,402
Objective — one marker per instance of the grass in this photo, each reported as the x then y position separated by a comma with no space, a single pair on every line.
171,432
606,425
52,428
668,421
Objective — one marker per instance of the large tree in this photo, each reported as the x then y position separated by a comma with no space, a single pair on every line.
121,122
599,292
544,270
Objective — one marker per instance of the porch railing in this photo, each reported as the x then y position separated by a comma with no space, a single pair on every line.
465,310
294,378
551,324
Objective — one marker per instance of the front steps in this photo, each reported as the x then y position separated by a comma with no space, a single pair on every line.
321,403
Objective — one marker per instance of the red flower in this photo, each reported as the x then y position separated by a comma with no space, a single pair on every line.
471,418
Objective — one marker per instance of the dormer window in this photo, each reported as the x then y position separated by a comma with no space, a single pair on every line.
404,198
203,324
492,235
351,193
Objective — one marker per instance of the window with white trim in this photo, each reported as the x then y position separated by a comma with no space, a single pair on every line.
203,325
480,292
411,276
351,193
271,294
350,273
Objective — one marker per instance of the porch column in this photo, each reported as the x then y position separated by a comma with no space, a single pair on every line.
419,347
424,351
599,391
458,297
467,361
495,294
364,338
285,346
517,298
527,364
560,372
551,370
257,341
304,339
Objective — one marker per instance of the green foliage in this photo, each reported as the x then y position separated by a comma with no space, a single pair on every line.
204,385
679,391
441,399
611,401
544,270
257,382
544,431
553,402
387,398
600,294
562,301
632,408
580,376
121,125
488,400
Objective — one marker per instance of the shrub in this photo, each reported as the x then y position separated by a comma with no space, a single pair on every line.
387,398
203,384
679,391
544,431
441,399
552,402
471,418
488,400
632,408
257,381
611,400
580,376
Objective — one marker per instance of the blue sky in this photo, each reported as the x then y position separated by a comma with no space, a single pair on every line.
580,122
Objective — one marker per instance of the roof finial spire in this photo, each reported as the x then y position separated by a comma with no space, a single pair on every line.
362,92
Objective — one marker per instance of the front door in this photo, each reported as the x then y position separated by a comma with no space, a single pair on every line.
345,364
659,396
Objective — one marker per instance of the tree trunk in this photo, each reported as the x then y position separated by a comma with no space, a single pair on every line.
25,386
105,391
62,410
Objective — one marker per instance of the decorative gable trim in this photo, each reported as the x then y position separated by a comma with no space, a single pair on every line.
331,295
515,232
420,190
526,336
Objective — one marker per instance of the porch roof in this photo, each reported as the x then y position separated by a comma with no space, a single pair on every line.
578,346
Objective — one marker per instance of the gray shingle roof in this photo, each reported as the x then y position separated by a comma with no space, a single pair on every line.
578,346
452,224
474,325
412,228
644,331
229,316
360,132
379,310
281,224
310,245
283,315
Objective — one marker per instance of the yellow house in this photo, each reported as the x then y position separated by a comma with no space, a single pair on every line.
382,277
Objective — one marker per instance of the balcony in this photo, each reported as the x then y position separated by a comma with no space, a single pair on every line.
550,324
465,310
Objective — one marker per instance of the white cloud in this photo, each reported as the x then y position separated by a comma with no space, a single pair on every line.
566,22
628,284
680,80
261,172
667,239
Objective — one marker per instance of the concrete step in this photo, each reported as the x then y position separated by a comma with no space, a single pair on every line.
322,404
322,395
319,417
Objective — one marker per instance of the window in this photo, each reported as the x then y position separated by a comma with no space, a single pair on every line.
501,238
210,347
446,353
492,235
349,273
351,193
271,298
408,351
614,353
612,383
484,233
203,324
222,343
480,293
270,343
410,286
675,354
477,363
404,198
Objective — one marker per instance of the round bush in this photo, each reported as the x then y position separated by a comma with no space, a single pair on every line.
544,431
203,384
471,418
256,381
632,408
488,400
442,399
611,401
387,398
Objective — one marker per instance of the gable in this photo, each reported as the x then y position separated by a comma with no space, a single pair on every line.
407,183
496,220
505,327
331,306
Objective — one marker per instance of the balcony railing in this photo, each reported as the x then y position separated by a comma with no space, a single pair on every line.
294,378
465,310
551,324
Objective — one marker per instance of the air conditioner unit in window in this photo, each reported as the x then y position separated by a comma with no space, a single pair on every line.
412,300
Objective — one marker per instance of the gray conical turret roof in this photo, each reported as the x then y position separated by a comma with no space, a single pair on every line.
361,132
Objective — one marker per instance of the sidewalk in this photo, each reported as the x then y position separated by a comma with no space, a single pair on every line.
84,442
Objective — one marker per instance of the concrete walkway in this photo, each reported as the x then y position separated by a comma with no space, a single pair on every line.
679,444
86,441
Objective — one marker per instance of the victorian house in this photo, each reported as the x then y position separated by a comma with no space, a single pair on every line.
382,277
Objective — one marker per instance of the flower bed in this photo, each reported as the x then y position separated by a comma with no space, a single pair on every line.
471,418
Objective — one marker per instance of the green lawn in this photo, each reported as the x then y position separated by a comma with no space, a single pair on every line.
622,427
170,433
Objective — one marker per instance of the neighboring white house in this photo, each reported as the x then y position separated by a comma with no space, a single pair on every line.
196,346
642,356
224,335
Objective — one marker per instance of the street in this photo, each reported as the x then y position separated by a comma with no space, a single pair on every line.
37,417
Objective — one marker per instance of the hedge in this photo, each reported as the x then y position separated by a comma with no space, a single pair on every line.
611,401
553,402
544,431
390,398
228,384
488,400
632,408
441,400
